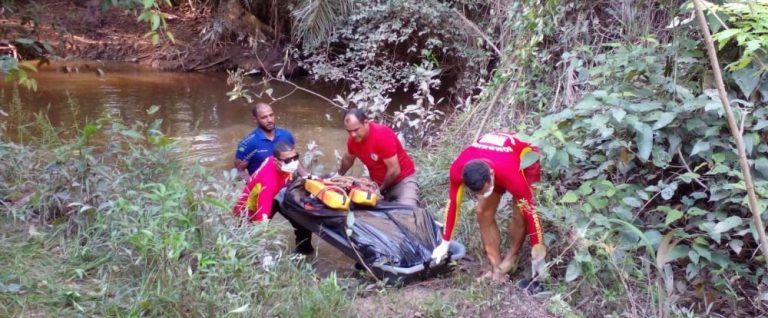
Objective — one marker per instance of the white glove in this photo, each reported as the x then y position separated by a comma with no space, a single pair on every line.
440,251
538,263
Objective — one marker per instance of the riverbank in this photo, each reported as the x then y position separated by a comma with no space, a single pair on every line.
127,230
83,30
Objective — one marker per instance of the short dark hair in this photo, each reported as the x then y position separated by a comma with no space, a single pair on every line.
357,112
255,108
475,174
281,147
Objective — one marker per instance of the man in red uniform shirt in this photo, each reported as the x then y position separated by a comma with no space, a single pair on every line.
256,201
382,153
488,168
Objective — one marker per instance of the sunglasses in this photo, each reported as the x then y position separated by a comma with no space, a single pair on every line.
290,159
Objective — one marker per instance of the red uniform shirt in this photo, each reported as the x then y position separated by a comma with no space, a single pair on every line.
502,152
260,191
381,143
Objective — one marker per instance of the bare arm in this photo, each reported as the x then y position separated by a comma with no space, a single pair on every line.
393,170
303,172
241,165
346,162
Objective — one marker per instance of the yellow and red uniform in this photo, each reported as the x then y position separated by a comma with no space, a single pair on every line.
503,153
260,191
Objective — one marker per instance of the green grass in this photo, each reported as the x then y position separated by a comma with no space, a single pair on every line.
128,230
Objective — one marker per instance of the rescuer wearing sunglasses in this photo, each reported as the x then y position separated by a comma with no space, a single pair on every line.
256,201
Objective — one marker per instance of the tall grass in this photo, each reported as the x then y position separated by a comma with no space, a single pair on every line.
111,223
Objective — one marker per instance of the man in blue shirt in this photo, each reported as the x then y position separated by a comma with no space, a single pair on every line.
256,147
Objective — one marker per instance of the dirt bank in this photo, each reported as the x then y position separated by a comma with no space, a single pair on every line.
77,30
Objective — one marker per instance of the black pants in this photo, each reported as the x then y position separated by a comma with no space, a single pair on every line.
303,235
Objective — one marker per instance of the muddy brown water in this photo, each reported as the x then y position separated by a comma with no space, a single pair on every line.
194,107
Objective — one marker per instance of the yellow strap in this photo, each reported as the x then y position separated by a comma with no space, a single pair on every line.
459,197
253,198
524,151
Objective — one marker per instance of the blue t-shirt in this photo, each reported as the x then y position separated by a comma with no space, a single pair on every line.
255,148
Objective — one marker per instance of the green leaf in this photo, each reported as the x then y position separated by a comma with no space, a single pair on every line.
747,79
761,165
700,146
590,174
528,159
718,157
153,109
28,65
25,41
669,191
597,202
573,271
672,216
644,106
724,36
644,141
760,124
677,252
664,120
585,188
570,197
694,211
727,224
703,250
674,143
89,129
694,256
589,102
736,245
633,202
131,134
155,22
148,3
618,114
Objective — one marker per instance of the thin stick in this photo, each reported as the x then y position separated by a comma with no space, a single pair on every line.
685,164
269,77
734,130
478,31
490,110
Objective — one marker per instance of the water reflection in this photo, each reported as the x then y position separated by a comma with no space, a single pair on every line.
193,107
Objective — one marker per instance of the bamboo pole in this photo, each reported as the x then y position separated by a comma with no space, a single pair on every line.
734,129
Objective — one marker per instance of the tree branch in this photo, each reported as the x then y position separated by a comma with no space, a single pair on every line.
474,27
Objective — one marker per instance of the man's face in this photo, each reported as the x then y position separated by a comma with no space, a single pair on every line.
357,130
265,118
287,157
484,192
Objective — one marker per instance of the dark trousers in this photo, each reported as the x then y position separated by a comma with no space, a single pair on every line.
303,235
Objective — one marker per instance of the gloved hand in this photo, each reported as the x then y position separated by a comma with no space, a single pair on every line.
440,251
538,263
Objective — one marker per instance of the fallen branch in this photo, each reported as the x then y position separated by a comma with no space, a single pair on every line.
214,63
479,32
734,129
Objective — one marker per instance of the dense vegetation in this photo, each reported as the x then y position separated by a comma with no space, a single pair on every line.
644,200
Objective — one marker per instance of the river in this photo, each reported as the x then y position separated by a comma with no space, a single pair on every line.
194,107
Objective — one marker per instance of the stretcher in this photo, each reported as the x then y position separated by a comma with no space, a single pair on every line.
394,241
